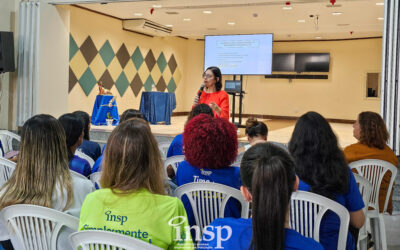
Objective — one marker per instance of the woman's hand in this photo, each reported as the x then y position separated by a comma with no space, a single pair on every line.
196,100
215,107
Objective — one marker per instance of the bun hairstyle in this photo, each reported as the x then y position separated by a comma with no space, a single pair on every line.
256,128
268,172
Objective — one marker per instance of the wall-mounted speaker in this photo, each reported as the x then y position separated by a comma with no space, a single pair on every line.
7,61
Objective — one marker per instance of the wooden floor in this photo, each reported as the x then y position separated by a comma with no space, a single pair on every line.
279,130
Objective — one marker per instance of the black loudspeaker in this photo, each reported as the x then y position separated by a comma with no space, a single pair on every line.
7,62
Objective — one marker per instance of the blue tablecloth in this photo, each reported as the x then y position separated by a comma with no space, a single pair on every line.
101,108
157,106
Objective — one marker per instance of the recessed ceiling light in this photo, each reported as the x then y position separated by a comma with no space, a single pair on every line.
337,13
207,11
157,5
169,25
301,21
318,37
138,14
380,18
231,23
287,8
380,4
187,19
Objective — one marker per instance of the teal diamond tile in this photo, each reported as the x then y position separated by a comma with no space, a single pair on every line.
171,85
87,81
137,58
162,62
73,47
122,83
107,53
148,84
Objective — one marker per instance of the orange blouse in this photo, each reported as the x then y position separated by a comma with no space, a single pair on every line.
359,151
220,98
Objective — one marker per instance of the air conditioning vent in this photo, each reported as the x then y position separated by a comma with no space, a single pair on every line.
145,26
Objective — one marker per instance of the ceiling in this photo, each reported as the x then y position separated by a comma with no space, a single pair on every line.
358,18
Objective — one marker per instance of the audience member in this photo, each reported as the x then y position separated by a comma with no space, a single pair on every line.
132,200
210,147
372,135
90,148
322,169
177,143
73,128
256,132
268,176
42,176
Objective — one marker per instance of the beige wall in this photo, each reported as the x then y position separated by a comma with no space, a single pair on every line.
342,96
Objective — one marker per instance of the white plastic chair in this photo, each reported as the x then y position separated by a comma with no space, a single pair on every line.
6,138
174,162
208,201
36,227
373,170
94,239
76,174
365,190
307,210
84,156
163,147
95,178
6,170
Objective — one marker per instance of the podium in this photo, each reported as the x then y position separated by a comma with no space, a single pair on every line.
104,104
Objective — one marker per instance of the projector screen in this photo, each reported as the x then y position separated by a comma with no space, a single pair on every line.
239,54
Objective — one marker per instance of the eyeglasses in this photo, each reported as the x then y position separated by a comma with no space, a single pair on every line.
207,76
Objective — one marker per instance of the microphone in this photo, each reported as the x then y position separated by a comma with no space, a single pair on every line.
200,90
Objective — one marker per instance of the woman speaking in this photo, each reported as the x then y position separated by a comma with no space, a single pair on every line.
210,93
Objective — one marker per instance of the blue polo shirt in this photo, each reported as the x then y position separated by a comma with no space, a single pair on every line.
80,166
229,176
329,230
240,238
176,146
91,149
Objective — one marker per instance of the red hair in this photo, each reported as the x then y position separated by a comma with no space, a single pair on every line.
210,142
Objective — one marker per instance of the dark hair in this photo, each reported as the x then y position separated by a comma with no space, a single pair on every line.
85,119
256,128
200,109
269,173
319,161
73,128
210,142
217,73
130,113
373,132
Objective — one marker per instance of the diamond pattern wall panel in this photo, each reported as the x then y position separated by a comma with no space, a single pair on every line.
139,71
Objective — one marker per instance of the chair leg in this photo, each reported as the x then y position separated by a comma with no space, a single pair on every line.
375,233
382,232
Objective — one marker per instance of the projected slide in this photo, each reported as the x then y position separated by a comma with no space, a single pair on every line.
239,54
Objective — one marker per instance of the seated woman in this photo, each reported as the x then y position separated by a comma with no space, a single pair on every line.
256,132
90,148
128,114
73,128
322,169
210,147
42,167
269,179
372,135
177,143
132,200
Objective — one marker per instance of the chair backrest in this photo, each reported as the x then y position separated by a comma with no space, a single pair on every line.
95,178
373,170
84,156
365,190
6,170
76,174
36,227
163,147
173,161
6,138
94,239
307,210
208,200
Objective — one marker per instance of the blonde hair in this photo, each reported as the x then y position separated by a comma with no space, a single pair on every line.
132,160
42,166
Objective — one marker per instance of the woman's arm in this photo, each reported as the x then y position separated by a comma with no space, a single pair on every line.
357,219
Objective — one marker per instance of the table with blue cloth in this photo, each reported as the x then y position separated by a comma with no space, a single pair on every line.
101,108
157,106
